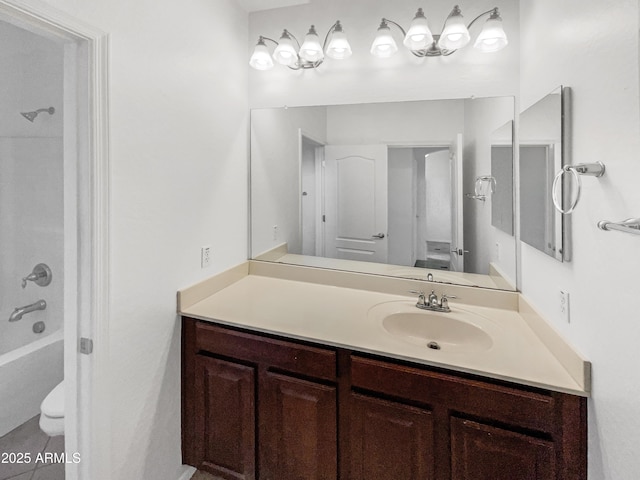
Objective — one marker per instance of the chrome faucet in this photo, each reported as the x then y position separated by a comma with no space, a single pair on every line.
19,312
431,301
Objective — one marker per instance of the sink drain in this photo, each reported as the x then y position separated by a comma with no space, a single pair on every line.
433,345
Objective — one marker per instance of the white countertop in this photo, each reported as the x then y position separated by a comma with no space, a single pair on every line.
338,316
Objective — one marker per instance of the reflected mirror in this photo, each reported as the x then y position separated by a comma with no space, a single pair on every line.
403,189
541,156
502,198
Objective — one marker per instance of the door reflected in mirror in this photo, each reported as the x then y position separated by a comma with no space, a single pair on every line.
382,189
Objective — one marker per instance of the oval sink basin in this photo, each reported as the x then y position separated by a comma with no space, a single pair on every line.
456,331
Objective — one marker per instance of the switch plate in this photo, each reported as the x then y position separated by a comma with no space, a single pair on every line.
564,306
205,256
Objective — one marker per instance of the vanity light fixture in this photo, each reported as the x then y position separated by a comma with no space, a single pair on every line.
308,55
455,35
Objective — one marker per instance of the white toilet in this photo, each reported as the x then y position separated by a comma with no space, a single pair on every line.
52,412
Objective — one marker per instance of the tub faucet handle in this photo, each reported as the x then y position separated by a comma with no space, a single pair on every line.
29,278
41,275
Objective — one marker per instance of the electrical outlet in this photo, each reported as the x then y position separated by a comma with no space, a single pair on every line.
205,256
564,306
275,232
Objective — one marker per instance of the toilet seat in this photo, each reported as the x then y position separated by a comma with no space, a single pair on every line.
53,404
52,412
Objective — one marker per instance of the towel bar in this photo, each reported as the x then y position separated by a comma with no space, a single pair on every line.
630,225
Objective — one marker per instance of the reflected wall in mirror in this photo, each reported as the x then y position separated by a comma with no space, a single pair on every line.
382,189
541,156
502,200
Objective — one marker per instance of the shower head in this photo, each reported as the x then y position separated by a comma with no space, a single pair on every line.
31,116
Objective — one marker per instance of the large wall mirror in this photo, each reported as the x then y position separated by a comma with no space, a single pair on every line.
421,189
542,152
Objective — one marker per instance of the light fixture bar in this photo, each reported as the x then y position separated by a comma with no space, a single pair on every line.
308,55
421,42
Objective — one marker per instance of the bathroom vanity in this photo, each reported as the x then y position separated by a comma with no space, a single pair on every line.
294,373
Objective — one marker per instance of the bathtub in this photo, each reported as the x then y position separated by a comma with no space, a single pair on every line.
32,218
27,375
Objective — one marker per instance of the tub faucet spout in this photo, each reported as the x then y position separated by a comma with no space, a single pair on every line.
19,312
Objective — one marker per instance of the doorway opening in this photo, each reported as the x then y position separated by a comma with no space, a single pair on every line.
54,193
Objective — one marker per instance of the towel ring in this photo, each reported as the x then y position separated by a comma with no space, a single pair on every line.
592,169
479,190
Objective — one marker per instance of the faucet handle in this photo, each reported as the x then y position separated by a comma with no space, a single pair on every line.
444,300
41,275
421,297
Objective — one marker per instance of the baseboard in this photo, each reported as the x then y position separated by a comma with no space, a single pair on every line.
188,473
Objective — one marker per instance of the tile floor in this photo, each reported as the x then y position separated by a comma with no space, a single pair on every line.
203,476
28,438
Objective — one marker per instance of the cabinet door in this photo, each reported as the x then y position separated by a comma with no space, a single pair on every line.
298,429
482,452
390,441
225,418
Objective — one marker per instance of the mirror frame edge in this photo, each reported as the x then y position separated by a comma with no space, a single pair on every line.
565,126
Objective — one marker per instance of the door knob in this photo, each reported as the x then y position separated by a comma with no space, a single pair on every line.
378,235
459,251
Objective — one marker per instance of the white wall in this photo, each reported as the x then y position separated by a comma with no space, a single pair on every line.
276,175
592,46
31,183
178,152
421,123
401,211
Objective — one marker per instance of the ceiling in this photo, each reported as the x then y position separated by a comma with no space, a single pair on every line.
257,5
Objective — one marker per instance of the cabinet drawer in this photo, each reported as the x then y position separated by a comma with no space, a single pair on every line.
277,354
501,403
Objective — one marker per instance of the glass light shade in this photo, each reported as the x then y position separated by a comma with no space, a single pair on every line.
261,58
455,34
383,45
419,35
338,47
285,53
492,37
311,49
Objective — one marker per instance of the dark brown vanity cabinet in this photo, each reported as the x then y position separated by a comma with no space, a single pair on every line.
256,407
263,407
389,440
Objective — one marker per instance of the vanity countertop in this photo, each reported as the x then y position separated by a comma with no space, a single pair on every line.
339,316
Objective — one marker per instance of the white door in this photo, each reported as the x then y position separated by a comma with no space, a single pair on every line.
457,221
356,202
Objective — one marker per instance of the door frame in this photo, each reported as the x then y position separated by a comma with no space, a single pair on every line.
86,141
443,145
319,185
